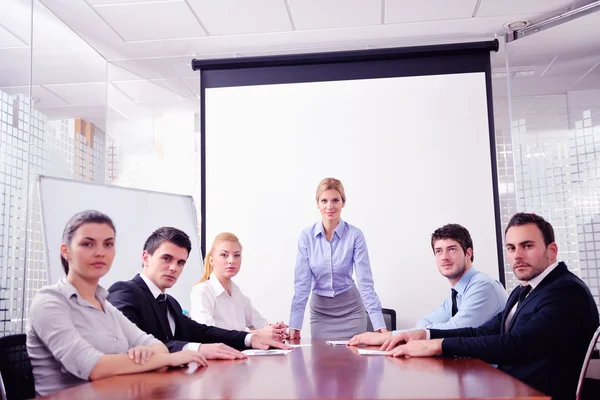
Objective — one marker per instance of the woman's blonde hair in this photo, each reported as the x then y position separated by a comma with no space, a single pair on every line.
331,184
221,237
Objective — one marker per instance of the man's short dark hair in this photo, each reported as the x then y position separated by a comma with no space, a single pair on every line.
167,234
455,232
544,226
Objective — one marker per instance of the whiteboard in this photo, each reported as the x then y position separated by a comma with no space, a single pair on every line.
135,213
412,152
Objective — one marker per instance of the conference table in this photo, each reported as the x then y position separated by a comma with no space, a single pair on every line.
318,371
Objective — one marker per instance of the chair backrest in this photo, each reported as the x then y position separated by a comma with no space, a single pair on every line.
15,368
584,388
389,317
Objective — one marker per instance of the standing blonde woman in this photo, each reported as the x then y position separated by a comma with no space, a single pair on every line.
328,253
218,301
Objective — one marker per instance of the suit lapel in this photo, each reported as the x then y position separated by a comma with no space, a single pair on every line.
165,329
560,269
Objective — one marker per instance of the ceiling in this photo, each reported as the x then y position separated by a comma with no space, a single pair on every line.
134,55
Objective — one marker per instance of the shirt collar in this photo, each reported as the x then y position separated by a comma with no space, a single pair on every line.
153,288
538,279
461,285
69,290
339,231
216,285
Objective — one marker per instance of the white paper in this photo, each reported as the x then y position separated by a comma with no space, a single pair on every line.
337,342
192,367
366,352
266,352
300,345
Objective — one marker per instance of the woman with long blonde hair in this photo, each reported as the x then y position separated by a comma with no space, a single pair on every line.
328,253
218,301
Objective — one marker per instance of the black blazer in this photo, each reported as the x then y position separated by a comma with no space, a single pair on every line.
134,299
547,339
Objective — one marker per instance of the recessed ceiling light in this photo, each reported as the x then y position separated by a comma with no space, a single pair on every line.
514,25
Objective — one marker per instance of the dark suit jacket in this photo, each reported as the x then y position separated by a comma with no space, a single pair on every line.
546,341
134,299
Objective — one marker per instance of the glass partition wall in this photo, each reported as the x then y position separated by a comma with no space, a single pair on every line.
548,114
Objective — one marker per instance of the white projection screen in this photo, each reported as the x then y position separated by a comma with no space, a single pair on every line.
413,153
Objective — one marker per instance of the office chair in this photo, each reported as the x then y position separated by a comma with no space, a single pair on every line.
16,374
389,317
588,386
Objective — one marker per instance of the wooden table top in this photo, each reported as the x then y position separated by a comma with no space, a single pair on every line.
318,371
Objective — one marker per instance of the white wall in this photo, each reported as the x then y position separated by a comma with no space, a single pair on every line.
413,154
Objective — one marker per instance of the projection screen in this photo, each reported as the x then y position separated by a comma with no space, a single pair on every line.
408,131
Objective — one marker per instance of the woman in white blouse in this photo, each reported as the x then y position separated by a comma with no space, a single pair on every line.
217,301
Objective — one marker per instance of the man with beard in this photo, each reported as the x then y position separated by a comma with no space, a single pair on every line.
474,297
542,335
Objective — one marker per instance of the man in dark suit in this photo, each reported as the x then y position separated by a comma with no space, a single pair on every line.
143,300
542,335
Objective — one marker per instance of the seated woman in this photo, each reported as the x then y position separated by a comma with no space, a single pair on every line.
217,301
74,334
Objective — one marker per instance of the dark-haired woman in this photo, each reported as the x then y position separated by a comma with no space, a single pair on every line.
74,335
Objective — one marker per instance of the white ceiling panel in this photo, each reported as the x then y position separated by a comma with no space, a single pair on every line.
42,97
93,114
151,20
146,92
399,11
590,81
104,2
537,62
81,94
193,84
7,39
52,68
549,104
15,17
14,66
324,14
309,50
573,63
178,87
430,32
540,86
116,97
158,68
583,98
235,17
116,73
492,8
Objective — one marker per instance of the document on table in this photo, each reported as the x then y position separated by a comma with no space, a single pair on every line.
366,352
300,345
275,352
337,342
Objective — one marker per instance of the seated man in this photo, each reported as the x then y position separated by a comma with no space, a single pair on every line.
144,302
474,298
542,335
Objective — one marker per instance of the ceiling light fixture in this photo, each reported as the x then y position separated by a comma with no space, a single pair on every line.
514,25
513,74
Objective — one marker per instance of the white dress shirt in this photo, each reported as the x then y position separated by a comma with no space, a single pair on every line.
211,305
155,292
533,283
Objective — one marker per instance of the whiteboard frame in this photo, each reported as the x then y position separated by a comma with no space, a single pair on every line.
41,178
